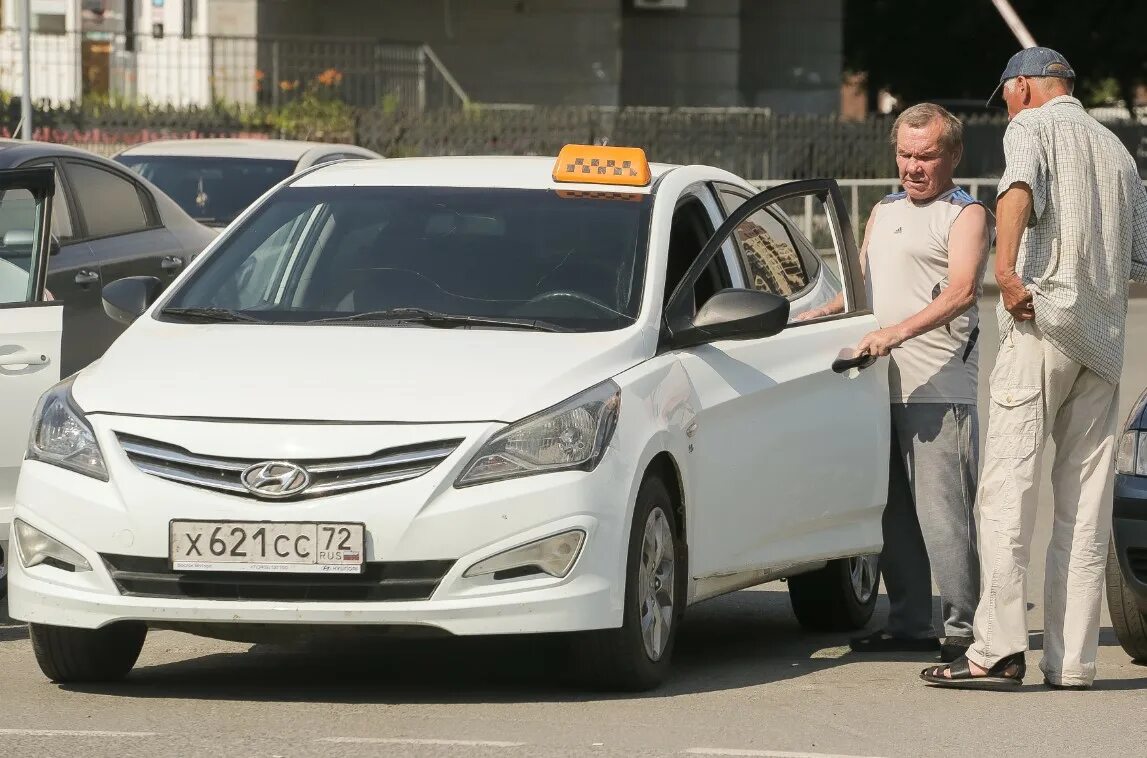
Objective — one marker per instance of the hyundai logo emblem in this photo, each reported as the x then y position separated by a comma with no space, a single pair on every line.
275,479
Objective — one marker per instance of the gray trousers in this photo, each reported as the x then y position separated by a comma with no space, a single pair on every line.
929,523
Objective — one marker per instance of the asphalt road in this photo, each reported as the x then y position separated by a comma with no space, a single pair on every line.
748,682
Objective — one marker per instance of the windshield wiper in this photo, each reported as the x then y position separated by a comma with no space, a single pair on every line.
210,314
434,318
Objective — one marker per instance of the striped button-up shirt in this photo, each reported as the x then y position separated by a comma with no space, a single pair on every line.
1087,236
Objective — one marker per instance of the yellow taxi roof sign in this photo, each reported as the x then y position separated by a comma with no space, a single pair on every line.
595,164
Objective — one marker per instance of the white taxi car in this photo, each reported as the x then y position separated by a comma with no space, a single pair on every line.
466,396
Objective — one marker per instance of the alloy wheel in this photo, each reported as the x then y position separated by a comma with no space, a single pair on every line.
656,584
863,570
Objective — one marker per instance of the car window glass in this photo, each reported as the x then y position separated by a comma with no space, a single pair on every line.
17,229
255,282
61,209
110,204
688,233
561,257
211,190
772,267
769,257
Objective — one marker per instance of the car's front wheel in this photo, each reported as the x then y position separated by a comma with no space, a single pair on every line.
1128,619
66,654
636,656
839,597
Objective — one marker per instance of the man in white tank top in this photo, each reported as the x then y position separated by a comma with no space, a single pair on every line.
923,257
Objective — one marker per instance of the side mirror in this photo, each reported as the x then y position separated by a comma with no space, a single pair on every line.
126,299
735,314
21,237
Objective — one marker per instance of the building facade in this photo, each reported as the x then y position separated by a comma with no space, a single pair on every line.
785,55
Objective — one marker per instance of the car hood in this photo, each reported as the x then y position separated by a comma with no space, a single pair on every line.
347,373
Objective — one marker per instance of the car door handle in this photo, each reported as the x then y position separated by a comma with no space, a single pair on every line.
85,277
171,263
850,359
23,358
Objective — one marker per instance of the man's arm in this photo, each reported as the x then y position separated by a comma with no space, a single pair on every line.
1139,235
968,243
836,305
1013,211
1021,201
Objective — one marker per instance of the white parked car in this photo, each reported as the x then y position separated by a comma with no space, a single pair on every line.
464,395
214,180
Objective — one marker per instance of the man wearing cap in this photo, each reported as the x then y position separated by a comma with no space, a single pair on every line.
1071,231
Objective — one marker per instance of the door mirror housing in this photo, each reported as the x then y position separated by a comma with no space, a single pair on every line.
21,237
126,299
734,314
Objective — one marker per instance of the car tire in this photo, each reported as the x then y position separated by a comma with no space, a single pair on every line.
66,654
627,659
840,597
1128,619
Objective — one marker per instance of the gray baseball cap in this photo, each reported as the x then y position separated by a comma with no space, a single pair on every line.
1034,61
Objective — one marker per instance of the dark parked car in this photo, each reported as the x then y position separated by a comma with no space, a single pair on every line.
108,222
1127,561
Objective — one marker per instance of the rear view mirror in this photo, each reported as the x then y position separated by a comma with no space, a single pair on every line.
735,314
126,299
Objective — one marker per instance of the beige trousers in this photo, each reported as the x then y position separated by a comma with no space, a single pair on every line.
1037,390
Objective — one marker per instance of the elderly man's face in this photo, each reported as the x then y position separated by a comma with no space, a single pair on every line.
926,168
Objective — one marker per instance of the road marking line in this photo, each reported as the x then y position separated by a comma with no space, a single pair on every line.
411,741
73,733
764,753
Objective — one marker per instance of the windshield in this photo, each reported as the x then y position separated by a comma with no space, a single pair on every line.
211,190
309,254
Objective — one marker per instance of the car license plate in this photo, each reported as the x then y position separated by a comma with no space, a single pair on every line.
289,547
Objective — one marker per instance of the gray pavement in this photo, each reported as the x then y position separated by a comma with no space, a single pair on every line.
748,682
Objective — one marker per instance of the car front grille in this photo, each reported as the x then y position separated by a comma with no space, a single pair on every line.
328,476
1137,561
380,581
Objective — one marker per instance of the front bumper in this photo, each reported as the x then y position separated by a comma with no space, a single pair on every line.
423,519
1129,528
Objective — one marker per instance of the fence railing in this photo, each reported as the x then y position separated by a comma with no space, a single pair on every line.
748,142
205,70
861,195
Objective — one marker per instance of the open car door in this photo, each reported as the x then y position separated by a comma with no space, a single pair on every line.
30,323
791,432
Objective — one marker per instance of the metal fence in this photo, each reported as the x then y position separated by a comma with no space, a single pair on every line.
748,142
247,71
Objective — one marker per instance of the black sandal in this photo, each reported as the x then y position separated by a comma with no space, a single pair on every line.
1007,674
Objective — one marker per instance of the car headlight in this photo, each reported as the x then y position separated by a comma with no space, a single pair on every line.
62,436
1132,456
572,435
